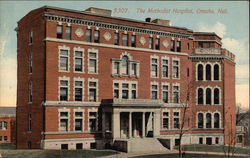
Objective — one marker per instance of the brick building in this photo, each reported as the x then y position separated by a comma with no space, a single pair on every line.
90,80
7,125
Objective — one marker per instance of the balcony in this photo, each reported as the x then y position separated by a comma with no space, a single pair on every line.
216,51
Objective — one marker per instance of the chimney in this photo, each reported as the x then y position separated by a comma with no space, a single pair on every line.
99,11
161,22
148,19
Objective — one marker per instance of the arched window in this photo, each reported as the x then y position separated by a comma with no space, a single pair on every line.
200,96
125,65
216,96
216,120
208,96
200,72
200,120
208,72
208,120
216,72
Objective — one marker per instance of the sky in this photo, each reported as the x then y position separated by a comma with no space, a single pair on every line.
229,19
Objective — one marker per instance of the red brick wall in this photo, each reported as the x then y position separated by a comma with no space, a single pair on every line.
10,131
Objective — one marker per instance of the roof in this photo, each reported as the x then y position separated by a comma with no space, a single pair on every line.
207,33
7,111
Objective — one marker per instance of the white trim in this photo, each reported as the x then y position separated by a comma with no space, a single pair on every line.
151,84
80,50
97,87
216,63
179,66
93,110
169,125
75,117
168,90
82,80
203,71
59,85
157,65
64,47
120,82
173,117
179,91
168,65
96,51
59,118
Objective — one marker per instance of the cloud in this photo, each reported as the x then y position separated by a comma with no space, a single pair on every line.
2,45
218,28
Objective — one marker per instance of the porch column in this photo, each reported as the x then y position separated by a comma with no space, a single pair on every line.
116,132
143,124
156,123
103,124
130,124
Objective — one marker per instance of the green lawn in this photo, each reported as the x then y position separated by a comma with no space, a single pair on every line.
214,148
186,156
55,153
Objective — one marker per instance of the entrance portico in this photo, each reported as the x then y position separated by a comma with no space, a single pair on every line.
132,118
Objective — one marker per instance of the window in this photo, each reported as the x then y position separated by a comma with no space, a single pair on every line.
64,60
63,90
125,65
5,138
172,45
134,69
165,120
89,35
216,120
116,38
176,120
133,41
176,69
93,121
31,37
116,68
116,90
78,61
64,121
68,32
92,91
165,92
239,139
200,96
78,121
124,39
208,72
209,141
64,146
3,125
208,120
29,122
97,36
200,140
216,72
92,62
200,72
188,46
217,140
200,120
157,43
125,91
151,46
216,96
208,96
165,68
59,33
187,72
78,90
178,46
154,91
1,138
79,146
154,67
176,142
176,93
92,145
30,62
30,92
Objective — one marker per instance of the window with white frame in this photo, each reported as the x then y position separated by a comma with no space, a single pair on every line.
208,96
29,122
3,125
68,32
176,94
165,120
79,61
165,93
64,60
30,62
93,86
154,91
93,59
154,67
200,96
216,120
133,41
30,92
31,37
157,43
78,121
216,72
64,87
64,121
93,121
96,36
165,65
116,38
125,39
208,120
176,120
200,72
125,89
88,35
216,96
79,89
150,44
176,69
125,66
200,120
59,32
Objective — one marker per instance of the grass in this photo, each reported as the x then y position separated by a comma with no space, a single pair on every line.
55,153
186,156
214,148
7,146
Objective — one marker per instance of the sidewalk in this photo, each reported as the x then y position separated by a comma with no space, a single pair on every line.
127,155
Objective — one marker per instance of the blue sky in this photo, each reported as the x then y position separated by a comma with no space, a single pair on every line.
232,26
